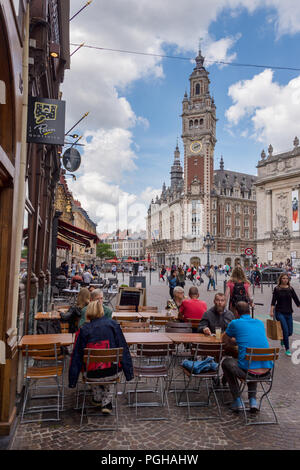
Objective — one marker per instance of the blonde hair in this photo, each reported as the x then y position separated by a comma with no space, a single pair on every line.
238,275
83,297
94,310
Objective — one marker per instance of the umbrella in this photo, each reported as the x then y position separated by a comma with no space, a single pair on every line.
146,260
112,261
130,261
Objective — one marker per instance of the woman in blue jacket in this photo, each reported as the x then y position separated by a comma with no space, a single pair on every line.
99,332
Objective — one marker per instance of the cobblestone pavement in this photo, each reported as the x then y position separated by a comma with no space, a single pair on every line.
227,433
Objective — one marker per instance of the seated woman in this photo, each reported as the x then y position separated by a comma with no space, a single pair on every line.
175,303
99,332
76,313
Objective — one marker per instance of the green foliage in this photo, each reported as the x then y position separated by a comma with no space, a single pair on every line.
104,251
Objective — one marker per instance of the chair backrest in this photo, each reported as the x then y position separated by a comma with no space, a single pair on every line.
262,354
126,308
41,350
124,318
207,349
102,356
143,308
194,321
141,329
153,350
58,307
159,320
178,327
64,326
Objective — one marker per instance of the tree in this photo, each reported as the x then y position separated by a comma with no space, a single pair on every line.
104,251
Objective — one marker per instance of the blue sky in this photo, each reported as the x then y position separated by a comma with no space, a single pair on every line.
135,102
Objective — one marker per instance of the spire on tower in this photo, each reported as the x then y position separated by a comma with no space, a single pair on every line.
221,163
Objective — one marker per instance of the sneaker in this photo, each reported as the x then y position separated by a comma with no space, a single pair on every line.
253,405
107,409
288,352
237,405
281,343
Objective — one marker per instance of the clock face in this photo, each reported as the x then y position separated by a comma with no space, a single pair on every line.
196,146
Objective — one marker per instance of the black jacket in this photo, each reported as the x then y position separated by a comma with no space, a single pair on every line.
212,319
97,333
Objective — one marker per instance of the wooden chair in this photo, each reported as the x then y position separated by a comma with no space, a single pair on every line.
126,308
157,323
260,354
210,349
102,356
134,327
143,308
124,318
64,327
151,362
42,353
194,321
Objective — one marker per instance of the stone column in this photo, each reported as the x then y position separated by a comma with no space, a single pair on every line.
268,212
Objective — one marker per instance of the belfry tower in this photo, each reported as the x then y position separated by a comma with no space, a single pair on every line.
199,136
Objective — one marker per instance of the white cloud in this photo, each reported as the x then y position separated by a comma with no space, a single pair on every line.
274,109
99,81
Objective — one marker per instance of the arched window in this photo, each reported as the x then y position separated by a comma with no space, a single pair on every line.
201,122
197,89
196,123
190,124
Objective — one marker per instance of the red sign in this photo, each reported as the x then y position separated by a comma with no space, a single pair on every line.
249,251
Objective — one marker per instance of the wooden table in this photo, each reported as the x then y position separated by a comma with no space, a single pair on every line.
147,315
147,338
123,314
47,316
65,339
198,338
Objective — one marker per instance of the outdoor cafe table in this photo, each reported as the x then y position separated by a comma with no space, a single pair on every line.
65,339
178,338
147,315
48,315
124,314
147,338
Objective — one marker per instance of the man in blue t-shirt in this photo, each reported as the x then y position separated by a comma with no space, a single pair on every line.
245,332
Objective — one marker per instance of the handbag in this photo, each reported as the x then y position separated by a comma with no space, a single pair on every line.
274,330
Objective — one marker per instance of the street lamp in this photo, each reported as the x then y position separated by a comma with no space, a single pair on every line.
208,243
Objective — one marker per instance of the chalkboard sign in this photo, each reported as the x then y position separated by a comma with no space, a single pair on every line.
131,296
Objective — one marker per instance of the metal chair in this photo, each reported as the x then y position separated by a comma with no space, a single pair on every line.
125,308
103,356
158,323
143,308
152,362
134,327
42,353
182,351
260,354
204,350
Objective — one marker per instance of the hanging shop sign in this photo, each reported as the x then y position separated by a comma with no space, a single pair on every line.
71,159
46,121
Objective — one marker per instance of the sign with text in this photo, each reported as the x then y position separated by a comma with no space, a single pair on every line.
46,121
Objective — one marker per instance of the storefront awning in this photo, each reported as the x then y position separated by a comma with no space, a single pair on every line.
79,231
62,245
73,237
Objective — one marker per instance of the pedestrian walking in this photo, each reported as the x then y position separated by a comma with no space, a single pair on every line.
172,279
211,278
238,289
281,307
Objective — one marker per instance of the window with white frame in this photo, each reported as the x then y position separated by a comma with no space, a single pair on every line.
228,232
228,207
228,220
246,233
237,233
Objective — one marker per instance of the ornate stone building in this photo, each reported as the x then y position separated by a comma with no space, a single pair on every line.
201,199
278,184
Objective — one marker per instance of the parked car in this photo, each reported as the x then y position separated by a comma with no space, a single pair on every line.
271,274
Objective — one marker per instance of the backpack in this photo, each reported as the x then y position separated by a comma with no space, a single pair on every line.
239,293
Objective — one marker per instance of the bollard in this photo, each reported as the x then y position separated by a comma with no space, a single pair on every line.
225,285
